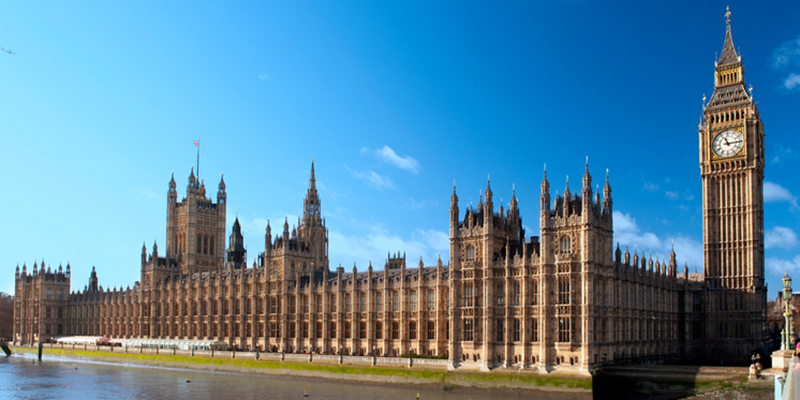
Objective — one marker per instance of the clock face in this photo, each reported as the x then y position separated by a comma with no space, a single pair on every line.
727,143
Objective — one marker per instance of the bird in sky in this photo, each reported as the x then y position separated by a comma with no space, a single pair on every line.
8,51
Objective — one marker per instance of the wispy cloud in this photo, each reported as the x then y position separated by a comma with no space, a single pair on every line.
418,204
787,54
265,77
780,236
627,231
372,178
677,196
780,266
786,58
387,155
147,193
782,153
428,244
792,81
650,186
777,193
329,192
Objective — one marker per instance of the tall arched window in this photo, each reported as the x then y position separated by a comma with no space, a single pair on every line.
566,245
471,253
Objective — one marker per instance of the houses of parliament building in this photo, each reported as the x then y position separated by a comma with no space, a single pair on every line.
569,299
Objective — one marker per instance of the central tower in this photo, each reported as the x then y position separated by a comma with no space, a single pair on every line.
732,170
196,227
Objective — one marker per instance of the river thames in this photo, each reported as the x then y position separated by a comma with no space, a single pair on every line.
24,377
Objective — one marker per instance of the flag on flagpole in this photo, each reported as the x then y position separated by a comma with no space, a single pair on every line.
197,142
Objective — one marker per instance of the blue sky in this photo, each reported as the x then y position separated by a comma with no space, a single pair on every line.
394,101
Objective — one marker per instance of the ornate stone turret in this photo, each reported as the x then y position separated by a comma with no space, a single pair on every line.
607,197
222,196
172,193
192,182
454,212
237,255
93,281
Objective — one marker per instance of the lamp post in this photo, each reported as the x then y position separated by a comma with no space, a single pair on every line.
788,331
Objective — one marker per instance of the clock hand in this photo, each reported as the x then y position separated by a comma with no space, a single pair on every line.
727,143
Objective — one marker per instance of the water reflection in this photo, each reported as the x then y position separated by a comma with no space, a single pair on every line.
57,378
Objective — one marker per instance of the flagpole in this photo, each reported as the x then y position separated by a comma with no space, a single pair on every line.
198,159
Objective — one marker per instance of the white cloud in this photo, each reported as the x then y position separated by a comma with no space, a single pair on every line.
782,152
677,196
775,193
787,54
416,205
140,191
253,228
650,187
265,77
627,232
792,81
387,155
780,236
376,245
778,266
787,57
372,178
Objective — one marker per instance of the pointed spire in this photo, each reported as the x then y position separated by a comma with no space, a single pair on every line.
172,183
513,204
222,183
192,179
236,227
729,55
311,204
627,255
312,182
545,184
488,191
269,228
566,191
587,178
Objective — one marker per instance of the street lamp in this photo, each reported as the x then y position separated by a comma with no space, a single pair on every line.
788,331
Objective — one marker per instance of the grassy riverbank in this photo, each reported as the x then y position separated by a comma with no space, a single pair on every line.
417,375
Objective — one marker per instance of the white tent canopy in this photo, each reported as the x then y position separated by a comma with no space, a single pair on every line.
179,344
77,339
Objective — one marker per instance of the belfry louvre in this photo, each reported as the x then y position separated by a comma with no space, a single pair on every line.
568,299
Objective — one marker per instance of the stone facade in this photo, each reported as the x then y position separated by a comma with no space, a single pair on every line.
567,299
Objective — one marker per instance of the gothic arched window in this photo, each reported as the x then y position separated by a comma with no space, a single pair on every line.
471,253
566,245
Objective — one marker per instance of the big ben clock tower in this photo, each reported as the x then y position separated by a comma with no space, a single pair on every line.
732,169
